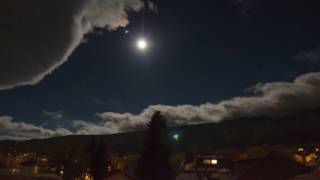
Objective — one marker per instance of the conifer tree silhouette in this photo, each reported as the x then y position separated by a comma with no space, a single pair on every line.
154,162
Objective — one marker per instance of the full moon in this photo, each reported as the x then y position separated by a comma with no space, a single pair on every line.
142,44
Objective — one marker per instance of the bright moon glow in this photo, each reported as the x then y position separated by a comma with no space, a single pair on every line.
142,44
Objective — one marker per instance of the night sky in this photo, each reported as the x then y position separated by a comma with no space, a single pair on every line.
200,51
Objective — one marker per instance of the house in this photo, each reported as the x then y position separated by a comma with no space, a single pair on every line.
206,167
212,163
273,167
308,156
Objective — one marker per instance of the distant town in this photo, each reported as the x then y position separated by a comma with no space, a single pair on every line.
303,163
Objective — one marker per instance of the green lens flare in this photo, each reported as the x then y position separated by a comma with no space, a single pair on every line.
176,137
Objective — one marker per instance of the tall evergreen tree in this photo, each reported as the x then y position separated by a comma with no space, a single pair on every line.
154,162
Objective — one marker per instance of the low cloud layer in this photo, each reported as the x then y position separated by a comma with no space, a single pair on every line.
21,131
273,99
38,36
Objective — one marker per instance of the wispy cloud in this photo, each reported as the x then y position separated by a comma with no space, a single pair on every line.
53,115
309,56
153,7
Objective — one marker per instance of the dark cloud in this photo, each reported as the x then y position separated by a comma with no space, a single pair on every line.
38,36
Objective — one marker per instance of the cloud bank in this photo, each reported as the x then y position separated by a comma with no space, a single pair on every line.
22,131
273,99
38,36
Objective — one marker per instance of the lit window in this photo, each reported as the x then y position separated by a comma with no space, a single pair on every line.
109,169
214,161
210,161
